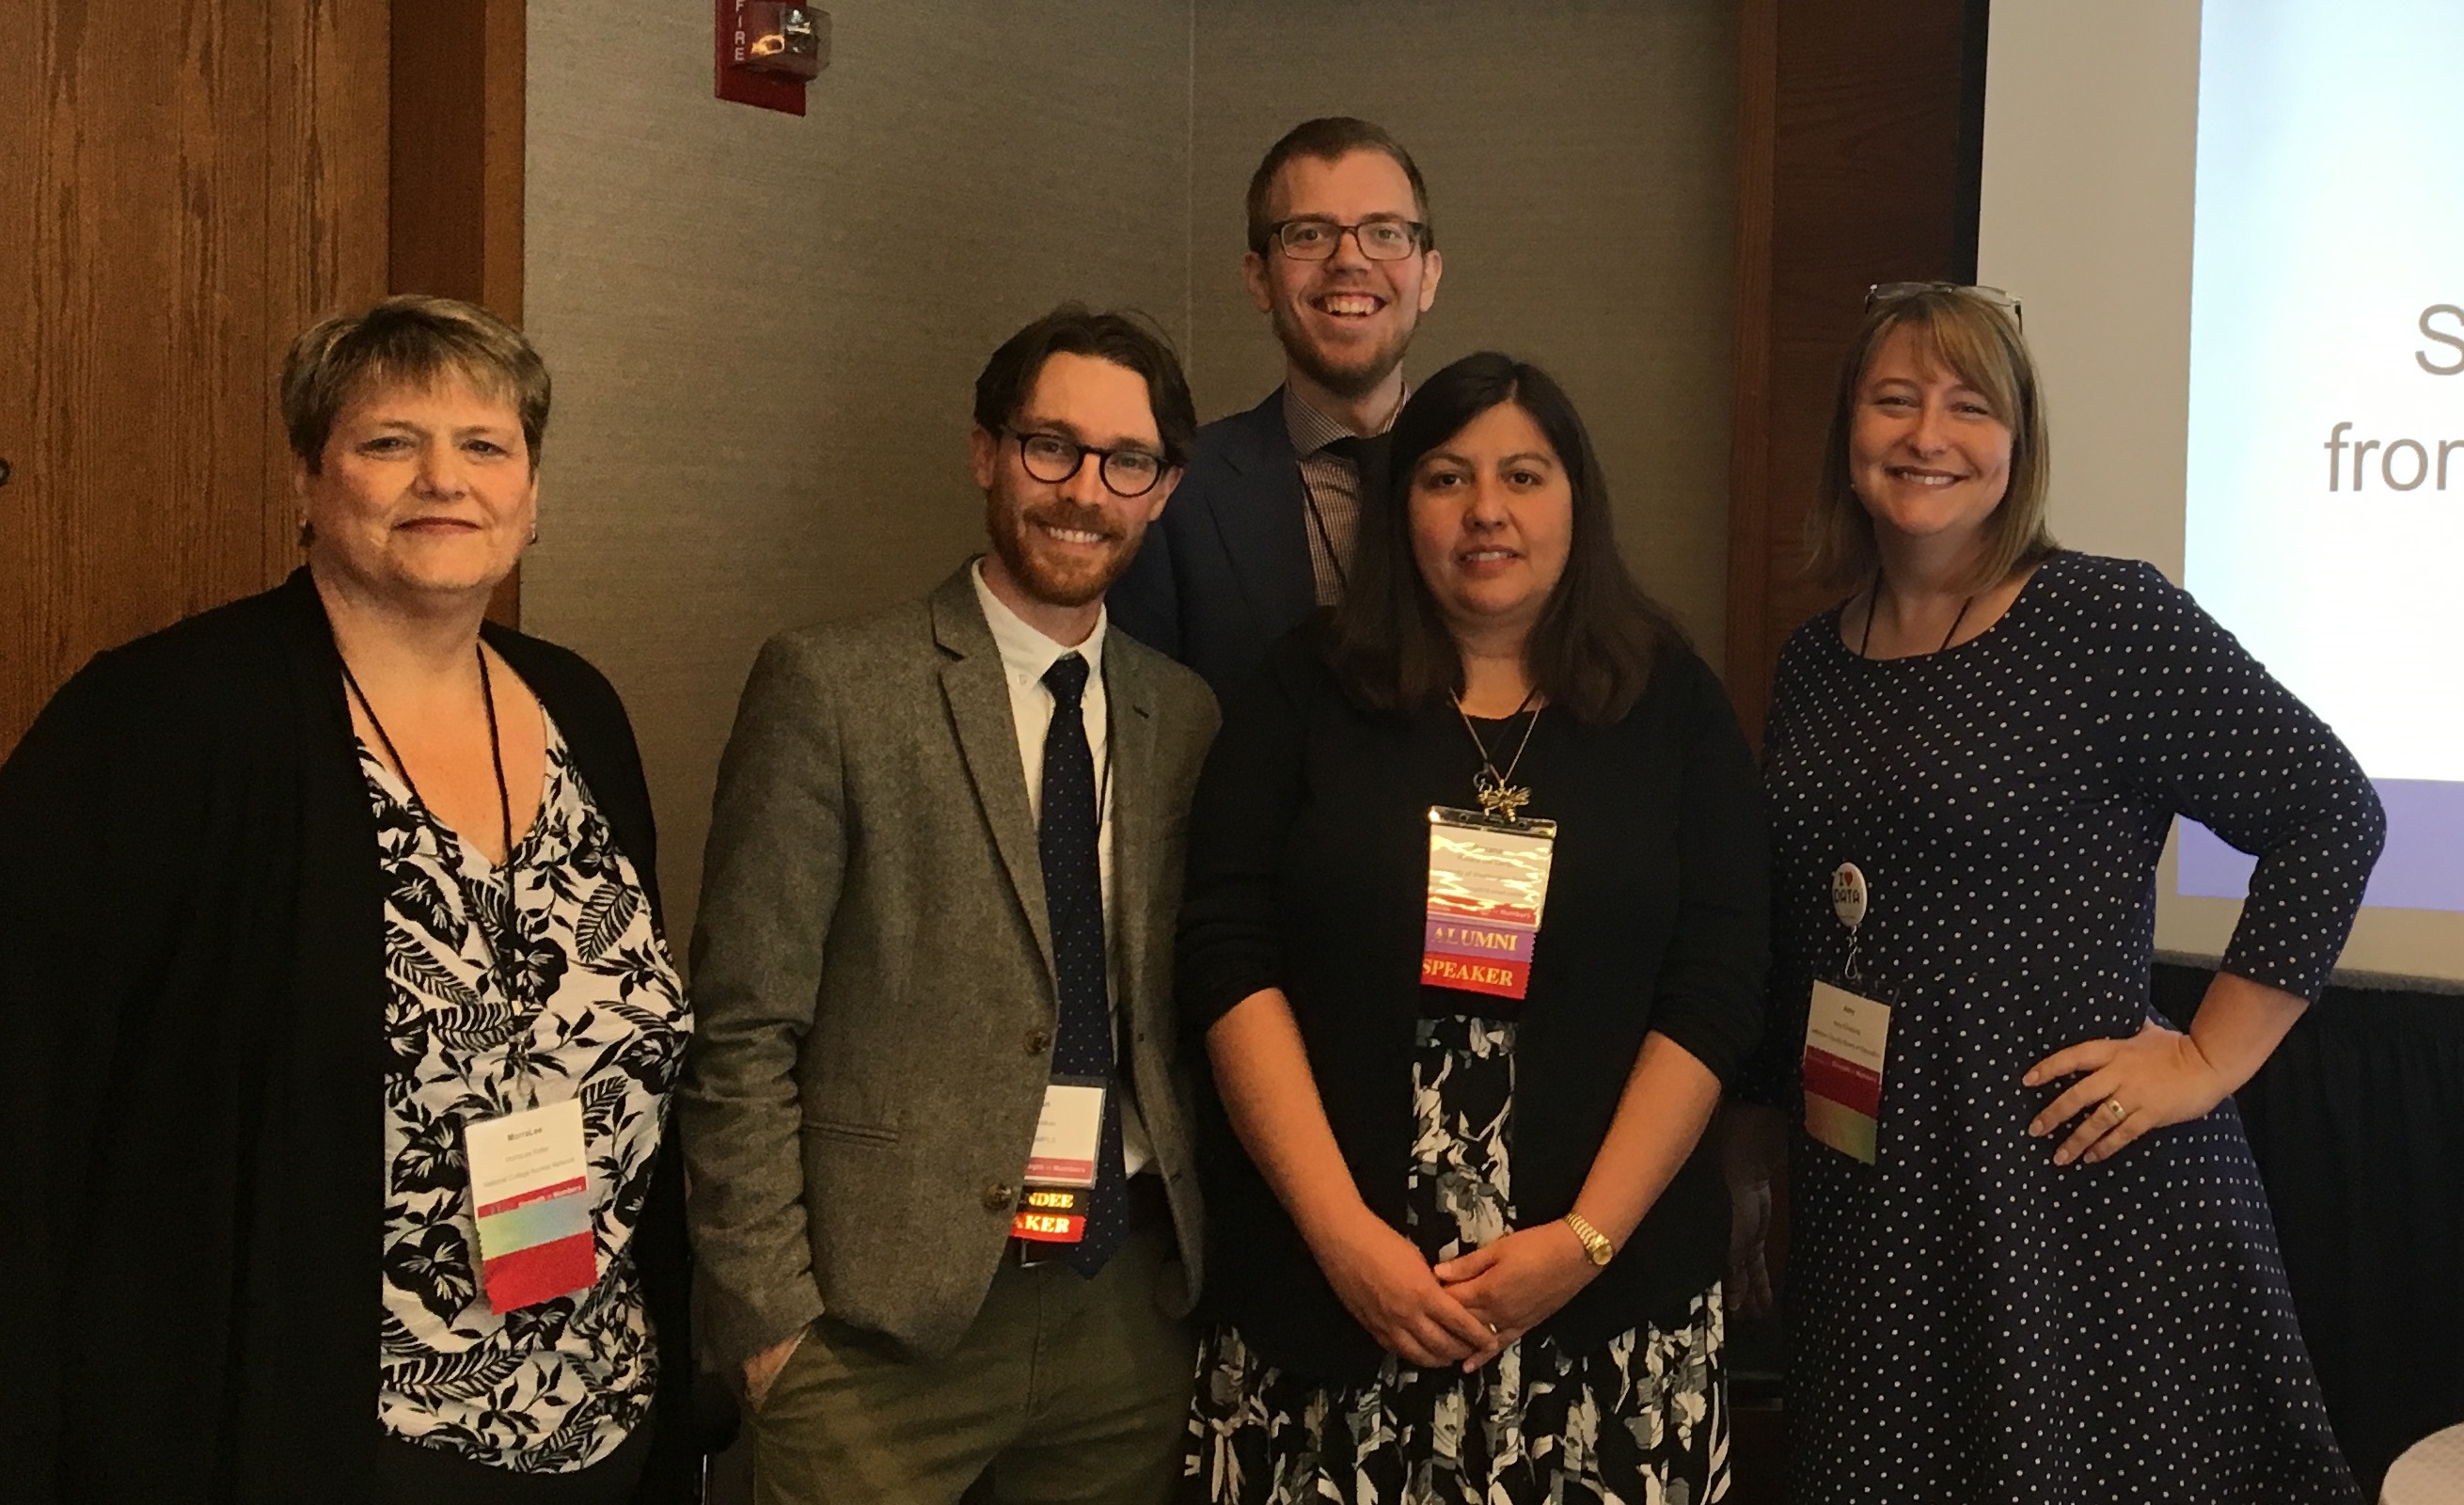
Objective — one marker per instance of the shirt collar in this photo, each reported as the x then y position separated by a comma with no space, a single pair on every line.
1313,430
1026,653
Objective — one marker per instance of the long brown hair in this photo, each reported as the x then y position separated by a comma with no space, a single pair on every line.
1980,344
1598,637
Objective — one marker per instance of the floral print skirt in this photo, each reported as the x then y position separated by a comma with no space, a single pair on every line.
1641,1418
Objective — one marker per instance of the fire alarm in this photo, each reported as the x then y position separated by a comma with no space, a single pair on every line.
768,51
792,41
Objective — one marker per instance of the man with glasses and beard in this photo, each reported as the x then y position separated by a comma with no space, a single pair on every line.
1343,262
940,1148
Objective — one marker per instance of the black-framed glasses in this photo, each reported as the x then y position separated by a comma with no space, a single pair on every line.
1052,458
1381,237
1893,291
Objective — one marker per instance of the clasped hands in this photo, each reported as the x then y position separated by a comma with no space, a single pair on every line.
1462,1311
2125,1087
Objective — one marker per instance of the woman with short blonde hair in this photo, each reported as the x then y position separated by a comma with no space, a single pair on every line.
319,911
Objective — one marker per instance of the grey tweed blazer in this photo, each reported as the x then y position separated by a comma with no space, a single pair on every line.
872,974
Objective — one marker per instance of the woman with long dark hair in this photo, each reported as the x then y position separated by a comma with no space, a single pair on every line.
1474,929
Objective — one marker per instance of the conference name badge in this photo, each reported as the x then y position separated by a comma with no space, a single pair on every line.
530,1194
1846,1036
1488,880
1061,1169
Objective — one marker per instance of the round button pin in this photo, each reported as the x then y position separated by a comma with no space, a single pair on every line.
1848,895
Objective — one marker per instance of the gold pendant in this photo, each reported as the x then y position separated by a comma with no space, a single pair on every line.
1497,797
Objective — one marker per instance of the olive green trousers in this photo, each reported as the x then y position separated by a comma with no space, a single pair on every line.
1064,1389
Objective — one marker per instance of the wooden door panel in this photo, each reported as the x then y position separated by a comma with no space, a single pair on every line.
1859,140
190,185
25,498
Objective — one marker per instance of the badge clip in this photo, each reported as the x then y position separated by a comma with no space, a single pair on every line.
1848,901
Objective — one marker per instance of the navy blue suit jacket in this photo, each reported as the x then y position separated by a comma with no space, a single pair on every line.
1226,572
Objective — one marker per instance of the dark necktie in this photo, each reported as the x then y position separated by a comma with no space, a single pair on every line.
1069,828
1368,455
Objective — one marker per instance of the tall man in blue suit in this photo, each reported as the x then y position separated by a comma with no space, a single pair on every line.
1342,260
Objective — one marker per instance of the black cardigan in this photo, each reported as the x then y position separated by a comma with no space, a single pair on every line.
1308,871
192,988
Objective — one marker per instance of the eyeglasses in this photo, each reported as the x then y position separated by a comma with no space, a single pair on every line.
1052,460
1384,238
1893,291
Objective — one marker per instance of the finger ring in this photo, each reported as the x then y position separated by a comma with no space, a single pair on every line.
1493,1329
2119,1112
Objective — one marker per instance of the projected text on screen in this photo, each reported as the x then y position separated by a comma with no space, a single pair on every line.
2325,516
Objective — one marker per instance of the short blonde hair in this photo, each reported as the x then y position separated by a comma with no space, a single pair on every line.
409,338
1978,341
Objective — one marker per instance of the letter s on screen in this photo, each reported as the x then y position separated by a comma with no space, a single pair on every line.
2456,340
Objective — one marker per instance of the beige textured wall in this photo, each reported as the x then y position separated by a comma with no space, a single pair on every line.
765,331
1580,161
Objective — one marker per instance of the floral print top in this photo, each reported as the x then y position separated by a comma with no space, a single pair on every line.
582,1001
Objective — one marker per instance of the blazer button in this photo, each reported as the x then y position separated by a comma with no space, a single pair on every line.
1038,1041
997,1197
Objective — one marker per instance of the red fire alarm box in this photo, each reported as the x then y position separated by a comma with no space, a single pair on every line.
768,50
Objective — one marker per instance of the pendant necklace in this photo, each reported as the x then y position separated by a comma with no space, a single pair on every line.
1497,793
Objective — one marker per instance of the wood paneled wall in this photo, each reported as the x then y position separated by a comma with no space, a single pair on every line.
186,186
455,205
1859,142
456,201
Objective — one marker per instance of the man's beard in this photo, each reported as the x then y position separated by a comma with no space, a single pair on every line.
1348,382
1052,582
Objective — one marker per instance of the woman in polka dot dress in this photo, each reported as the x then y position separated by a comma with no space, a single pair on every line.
2057,1281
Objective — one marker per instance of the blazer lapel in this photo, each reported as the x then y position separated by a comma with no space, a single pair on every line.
1264,519
1130,758
979,700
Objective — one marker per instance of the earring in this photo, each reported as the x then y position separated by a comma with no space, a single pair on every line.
307,531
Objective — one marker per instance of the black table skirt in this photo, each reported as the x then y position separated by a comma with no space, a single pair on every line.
2358,1125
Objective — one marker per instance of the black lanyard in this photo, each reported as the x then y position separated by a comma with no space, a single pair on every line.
1874,600
504,807
1848,970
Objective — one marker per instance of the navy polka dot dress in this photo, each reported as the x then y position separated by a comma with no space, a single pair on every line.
1969,1322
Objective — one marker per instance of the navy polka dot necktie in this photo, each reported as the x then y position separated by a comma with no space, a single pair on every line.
1069,828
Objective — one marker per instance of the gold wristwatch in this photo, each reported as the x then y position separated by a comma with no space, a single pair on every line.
1595,1243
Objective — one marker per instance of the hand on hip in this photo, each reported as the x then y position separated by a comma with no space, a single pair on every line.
2125,1087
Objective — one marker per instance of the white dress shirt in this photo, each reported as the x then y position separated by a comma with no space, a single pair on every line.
1026,654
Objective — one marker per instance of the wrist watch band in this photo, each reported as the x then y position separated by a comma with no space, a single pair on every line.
1595,1243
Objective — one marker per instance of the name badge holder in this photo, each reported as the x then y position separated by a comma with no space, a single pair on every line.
1060,1179
529,1195
1846,1037
1488,882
